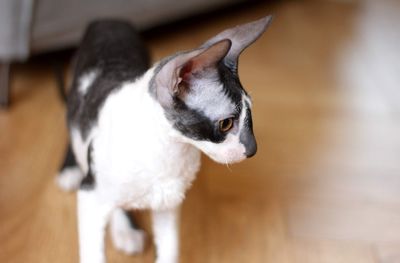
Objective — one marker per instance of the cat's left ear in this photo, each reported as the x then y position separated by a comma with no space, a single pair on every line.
174,77
241,36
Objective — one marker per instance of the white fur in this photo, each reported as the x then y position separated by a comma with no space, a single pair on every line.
124,236
208,97
80,148
166,235
93,215
130,144
70,178
139,161
86,81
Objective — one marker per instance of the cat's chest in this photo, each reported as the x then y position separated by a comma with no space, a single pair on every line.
160,183
139,160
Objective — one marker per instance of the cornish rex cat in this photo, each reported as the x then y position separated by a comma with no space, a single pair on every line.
137,131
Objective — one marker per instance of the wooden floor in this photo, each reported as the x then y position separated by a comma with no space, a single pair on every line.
324,186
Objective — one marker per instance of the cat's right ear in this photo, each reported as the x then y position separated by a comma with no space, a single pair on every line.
241,36
174,77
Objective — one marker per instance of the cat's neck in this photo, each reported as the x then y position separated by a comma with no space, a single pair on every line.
133,107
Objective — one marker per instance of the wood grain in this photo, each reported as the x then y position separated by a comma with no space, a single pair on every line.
324,186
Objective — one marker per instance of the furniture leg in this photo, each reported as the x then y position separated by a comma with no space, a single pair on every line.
4,84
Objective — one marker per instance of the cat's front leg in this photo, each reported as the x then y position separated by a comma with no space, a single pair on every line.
166,235
92,219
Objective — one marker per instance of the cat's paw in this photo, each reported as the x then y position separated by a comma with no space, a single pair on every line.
69,179
130,241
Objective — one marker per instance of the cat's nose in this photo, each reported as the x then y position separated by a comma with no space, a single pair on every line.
250,144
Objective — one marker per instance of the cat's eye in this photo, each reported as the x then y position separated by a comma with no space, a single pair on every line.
226,124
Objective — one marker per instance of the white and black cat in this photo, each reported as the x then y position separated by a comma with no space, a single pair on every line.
137,131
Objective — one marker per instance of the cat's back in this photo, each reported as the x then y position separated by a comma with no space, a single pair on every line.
110,44
111,53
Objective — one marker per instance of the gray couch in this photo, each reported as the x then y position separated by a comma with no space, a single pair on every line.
33,26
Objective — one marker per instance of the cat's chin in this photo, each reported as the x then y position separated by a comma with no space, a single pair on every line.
228,158
228,161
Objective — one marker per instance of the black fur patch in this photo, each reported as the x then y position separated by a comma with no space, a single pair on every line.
247,136
115,50
88,182
131,219
69,160
232,86
193,124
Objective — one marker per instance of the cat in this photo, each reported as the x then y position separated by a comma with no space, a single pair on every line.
137,131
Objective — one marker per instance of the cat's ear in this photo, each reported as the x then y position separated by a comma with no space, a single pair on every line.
241,36
173,79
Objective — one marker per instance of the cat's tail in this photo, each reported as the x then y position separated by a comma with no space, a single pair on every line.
70,175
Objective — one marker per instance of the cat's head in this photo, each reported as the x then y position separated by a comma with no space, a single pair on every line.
203,98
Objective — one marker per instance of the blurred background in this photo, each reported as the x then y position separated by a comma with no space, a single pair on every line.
325,80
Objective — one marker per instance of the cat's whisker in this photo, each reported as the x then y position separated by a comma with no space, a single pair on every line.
227,165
